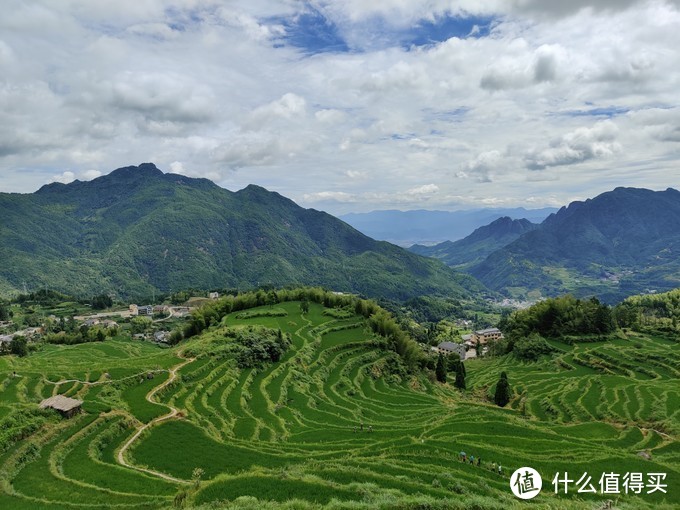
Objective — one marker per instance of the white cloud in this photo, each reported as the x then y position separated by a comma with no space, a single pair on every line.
98,85
88,175
425,189
483,166
64,177
576,147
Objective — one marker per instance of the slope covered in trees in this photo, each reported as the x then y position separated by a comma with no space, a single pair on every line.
615,245
137,231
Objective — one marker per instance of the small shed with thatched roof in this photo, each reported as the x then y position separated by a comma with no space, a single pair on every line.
66,406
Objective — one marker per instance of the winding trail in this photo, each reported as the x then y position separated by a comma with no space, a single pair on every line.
173,412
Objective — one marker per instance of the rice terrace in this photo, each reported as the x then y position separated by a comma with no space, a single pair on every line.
307,404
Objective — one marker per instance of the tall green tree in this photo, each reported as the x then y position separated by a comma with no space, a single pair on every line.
5,313
440,370
18,346
460,376
502,396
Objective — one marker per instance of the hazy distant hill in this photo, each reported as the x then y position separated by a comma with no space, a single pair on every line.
137,230
478,245
617,244
406,228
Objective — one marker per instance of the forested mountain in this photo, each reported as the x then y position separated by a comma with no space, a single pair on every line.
619,243
406,228
478,245
137,230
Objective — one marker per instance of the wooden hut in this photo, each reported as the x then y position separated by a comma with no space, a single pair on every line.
66,406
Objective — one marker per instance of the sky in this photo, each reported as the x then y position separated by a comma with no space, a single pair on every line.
347,105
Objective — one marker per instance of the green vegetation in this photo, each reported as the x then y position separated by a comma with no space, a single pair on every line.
137,231
502,394
477,246
338,421
440,370
615,245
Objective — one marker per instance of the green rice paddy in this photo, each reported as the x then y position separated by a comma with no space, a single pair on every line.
328,426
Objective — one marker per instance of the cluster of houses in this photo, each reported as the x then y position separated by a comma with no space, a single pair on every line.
468,348
147,310
103,323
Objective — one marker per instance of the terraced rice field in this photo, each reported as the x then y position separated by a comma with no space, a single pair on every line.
329,426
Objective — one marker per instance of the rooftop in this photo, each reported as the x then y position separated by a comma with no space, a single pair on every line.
61,403
489,330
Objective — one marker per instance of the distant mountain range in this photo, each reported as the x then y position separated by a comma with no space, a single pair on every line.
478,245
620,243
138,230
406,228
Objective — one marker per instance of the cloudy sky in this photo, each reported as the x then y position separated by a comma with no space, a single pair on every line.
347,105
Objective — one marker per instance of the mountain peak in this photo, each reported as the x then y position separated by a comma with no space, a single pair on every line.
143,170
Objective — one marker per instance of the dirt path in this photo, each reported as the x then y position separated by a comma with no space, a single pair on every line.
173,412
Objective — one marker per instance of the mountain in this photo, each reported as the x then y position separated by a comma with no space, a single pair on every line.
478,245
406,228
138,230
619,243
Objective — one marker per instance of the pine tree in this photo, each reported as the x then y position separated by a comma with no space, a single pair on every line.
460,376
440,371
502,396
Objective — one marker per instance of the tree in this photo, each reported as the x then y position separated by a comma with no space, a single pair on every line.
5,312
196,476
140,324
502,396
18,346
460,376
440,371
101,301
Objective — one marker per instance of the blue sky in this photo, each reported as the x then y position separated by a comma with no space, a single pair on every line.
313,32
347,105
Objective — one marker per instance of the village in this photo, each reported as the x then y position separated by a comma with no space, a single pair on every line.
472,345
151,322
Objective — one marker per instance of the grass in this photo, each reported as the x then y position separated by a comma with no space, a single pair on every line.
290,434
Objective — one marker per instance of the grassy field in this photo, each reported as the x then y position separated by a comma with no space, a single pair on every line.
328,426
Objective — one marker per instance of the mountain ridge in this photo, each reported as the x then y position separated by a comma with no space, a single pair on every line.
138,230
616,244
479,244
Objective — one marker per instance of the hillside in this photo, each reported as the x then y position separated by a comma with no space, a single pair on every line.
335,422
138,230
620,243
478,245
406,228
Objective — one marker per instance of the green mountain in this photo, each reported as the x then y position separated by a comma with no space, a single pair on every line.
137,230
478,245
406,228
620,243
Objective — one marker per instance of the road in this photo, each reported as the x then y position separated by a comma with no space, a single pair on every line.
173,412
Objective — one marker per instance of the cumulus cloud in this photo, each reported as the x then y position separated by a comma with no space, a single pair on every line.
64,177
220,91
482,166
577,146
522,68
288,107
162,97
424,190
